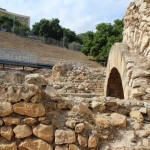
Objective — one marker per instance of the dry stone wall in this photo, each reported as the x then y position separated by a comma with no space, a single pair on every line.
34,116
137,27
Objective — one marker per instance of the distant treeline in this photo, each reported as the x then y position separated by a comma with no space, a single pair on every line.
96,44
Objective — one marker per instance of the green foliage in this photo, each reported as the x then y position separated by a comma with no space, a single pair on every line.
99,44
48,29
11,24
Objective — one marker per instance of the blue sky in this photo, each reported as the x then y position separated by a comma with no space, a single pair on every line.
77,15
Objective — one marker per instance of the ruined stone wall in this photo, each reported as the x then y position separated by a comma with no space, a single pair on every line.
137,27
132,57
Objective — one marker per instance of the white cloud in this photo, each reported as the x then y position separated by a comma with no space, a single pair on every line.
78,15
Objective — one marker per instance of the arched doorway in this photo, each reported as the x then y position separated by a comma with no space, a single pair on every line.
114,85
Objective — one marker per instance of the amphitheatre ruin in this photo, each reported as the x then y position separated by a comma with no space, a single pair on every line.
81,107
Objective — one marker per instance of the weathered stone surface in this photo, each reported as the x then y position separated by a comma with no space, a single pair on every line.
79,127
83,141
1,122
35,79
65,137
44,132
11,146
29,109
11,120
23,92
102,121
71,123
34,145
61,148
73,147
142,133
7,132
5,109
22,131
92,141
29,121
118,120
137,115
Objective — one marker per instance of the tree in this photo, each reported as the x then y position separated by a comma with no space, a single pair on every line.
88,42
101,42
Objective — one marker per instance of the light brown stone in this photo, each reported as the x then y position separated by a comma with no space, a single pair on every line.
73,147
61,148
29,121
102,121
34,145
23,92
71,124
118,120
1,122
29,109
44,132
79,127
22,131
137,115
35,79
7,132
92,141
83,141
5,109
11,146
64,137
11,120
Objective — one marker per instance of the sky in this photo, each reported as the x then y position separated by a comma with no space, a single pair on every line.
78,15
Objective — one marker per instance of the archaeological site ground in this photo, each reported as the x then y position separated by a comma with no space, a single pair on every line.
80,105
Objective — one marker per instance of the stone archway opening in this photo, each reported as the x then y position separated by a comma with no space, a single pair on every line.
114,85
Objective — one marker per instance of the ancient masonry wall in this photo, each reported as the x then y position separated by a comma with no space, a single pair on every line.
137,27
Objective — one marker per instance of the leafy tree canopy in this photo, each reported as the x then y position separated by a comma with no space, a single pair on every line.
98,44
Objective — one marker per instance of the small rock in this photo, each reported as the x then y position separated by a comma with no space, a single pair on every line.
11,146
79,127
143,110
22,131
5,109
61,148
64,137
92,141
136,115
7,132
44,132
142,133
73,147
71,124
118,120
29,121
11,120
83,141
102,121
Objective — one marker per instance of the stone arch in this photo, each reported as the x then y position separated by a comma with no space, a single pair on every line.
117,65
114,85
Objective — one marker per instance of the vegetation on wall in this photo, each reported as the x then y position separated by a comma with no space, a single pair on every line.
11,24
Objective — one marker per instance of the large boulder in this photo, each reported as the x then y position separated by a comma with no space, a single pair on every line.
29,109
34,145
35,79
44,132
27,92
